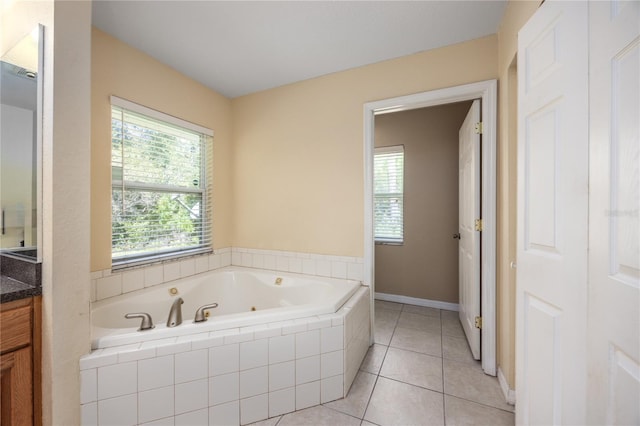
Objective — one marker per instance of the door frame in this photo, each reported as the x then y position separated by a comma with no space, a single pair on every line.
487,92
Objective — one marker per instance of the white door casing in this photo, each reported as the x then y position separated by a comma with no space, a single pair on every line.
487,92
614,204
468,211
551,295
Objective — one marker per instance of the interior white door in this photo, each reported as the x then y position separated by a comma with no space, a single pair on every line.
614,203
469,241
552,213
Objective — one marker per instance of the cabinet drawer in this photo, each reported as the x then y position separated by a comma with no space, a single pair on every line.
15,328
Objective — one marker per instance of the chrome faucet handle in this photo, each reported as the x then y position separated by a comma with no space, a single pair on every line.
147,322
200,317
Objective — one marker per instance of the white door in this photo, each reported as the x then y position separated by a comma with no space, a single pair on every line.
469,241
614,203
552,211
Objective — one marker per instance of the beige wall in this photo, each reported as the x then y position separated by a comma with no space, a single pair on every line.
516,15
298,149
65,168
118,69
426,265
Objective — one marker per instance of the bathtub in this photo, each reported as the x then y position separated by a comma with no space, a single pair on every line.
246,297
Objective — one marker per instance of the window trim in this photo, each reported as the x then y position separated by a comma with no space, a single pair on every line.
393,149
169,254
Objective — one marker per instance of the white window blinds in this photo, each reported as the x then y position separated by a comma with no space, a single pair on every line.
161,200
388,189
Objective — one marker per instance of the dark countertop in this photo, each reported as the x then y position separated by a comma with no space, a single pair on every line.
21,278
11,290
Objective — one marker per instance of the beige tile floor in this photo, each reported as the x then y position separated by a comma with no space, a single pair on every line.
418,372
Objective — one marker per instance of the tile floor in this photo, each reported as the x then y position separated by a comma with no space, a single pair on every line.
418,372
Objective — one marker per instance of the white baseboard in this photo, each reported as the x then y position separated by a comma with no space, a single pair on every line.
509,394
417,301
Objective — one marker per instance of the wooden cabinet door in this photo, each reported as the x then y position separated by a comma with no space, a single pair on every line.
16,392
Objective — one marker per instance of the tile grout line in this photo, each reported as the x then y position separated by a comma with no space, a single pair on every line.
375,383
444,406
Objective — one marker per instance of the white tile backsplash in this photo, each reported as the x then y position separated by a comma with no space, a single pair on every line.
153,275
339,269
192,396
119,411
331,364
282,375
88,386
254,354
331,389
108,286
282,402
281,348
108,283
202,264
171,271
132,280
155,373
224,359
307,343
254,382
155,404
323,268
331,339
191,365
307,395
224,388
199,417
89,414
214,261
117,380
225,414
254,409
295,265
307,369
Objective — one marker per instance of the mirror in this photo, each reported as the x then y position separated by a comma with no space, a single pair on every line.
20,147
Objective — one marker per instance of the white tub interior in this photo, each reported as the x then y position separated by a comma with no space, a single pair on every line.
236,290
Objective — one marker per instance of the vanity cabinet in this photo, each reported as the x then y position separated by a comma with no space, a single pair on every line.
20,399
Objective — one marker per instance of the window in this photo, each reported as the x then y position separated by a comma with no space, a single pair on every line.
161,201
388,197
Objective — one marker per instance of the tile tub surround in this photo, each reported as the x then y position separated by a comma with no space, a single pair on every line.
236,376
108,283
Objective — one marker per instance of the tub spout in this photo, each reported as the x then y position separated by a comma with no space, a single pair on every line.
175,313
200,316
147,322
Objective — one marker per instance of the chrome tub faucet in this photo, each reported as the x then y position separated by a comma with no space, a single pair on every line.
175,313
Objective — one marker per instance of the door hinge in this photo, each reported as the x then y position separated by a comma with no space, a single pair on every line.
478,128
478,224
479,322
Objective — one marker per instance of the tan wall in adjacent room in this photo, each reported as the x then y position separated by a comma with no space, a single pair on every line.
426,264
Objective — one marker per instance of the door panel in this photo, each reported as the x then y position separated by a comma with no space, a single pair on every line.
552,209
614,203
469,242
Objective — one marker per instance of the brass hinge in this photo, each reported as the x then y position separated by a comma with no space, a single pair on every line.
478,128
478,224
479,322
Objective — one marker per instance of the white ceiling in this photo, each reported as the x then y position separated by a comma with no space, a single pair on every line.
241,47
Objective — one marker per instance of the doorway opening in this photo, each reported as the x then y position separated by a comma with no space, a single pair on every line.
486,91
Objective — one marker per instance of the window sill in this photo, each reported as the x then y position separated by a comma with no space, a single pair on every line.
389,243
122,264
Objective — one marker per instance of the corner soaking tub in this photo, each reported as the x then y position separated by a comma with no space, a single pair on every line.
245,297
